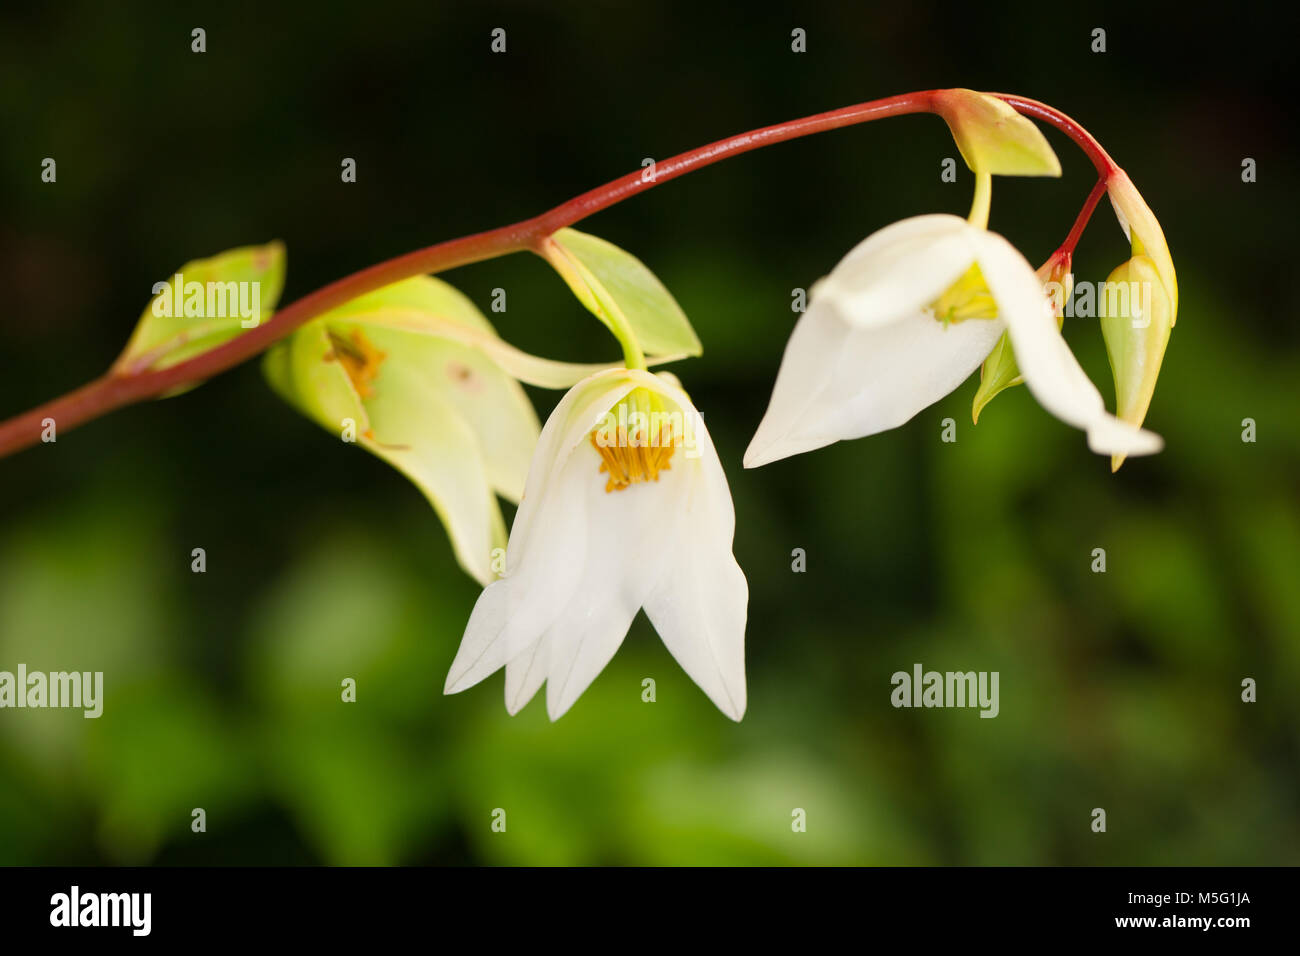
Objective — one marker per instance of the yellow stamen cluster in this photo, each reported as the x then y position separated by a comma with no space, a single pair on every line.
634,457
967,298
359,358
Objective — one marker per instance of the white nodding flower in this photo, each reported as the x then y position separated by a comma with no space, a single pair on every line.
625,507
903,320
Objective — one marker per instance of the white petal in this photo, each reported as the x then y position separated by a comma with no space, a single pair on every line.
700,605
1051,371
580,562
515,612
511,614
899,270
482,649
525,675
629,545
581,643
577,413
839,382
592,558
1112,436
626,554
816,342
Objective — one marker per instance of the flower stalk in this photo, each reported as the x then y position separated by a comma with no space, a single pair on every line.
979,210
122,387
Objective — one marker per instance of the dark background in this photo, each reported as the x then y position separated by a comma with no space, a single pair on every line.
1119,691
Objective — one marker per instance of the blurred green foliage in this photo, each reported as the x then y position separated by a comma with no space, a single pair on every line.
1118,690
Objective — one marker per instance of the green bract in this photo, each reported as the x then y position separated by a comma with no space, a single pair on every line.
620,291
998,373
993,138
204,303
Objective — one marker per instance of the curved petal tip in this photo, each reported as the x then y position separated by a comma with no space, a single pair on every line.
766,447
1110,436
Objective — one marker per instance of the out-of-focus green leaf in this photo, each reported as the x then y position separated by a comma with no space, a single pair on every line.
167,724
69,602
360,777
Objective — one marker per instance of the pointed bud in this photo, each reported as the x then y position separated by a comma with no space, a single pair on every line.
1144,233
202,304
1136,318
1136,343
1000,370
993,137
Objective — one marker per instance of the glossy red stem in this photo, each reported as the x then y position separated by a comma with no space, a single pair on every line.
117,389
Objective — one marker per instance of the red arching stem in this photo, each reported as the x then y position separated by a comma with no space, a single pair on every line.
1081,221
116,389
609,194
1100,158
1106,166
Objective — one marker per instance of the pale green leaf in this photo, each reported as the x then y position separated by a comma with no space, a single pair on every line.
526,367
468,382
422,437
305,372
415,297
619,290
212,301
410,417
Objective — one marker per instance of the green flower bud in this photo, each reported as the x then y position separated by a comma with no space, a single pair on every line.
1137,316
993,138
